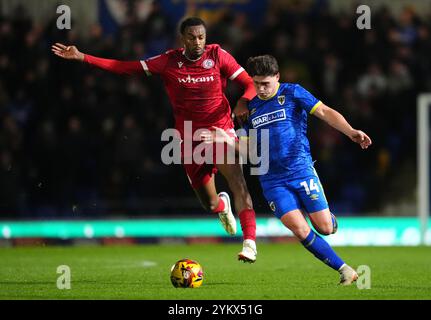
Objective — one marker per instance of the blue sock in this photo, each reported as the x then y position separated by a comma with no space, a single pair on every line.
322,250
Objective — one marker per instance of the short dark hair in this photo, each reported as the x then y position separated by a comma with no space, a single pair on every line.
265,65
191,22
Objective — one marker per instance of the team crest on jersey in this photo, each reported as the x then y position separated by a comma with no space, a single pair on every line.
272,206
208,64
180,64
281,100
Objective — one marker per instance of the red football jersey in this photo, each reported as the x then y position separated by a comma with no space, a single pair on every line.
196,88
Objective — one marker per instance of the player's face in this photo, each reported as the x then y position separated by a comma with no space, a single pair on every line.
194,39
266,85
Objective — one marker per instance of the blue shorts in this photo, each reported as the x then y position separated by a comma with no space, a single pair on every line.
287,194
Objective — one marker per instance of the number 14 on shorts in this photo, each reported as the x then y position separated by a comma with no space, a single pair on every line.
310,187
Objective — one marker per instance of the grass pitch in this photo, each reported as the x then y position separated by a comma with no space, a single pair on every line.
282,271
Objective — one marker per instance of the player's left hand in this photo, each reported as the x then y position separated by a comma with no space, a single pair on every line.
360,138
240,112
216,135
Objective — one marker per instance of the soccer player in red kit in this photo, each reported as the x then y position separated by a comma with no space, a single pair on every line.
195,77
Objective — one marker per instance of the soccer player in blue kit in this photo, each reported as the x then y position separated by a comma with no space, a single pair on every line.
291,184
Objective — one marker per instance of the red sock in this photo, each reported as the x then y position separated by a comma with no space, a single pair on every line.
247,217
220,206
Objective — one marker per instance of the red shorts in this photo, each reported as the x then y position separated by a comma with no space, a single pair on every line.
200,174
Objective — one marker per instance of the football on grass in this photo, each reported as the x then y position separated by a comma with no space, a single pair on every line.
187,273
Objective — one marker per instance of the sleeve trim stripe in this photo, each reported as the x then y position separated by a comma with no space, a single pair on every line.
144,65
237,73
315,107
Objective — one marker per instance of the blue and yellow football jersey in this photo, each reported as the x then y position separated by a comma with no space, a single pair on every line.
289,180
285,116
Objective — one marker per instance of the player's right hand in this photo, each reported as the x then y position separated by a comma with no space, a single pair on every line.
67,52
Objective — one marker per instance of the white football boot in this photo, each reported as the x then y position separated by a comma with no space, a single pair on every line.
348,275
227,218
249,251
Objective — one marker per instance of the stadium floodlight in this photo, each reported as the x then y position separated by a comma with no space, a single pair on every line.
423,133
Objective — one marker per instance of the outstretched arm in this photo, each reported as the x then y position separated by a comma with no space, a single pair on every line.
115,66
337,121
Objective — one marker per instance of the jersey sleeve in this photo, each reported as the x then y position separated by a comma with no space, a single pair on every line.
244,80
115,66
228,65
305,99
155,65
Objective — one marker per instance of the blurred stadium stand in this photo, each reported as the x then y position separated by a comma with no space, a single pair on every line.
76,142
